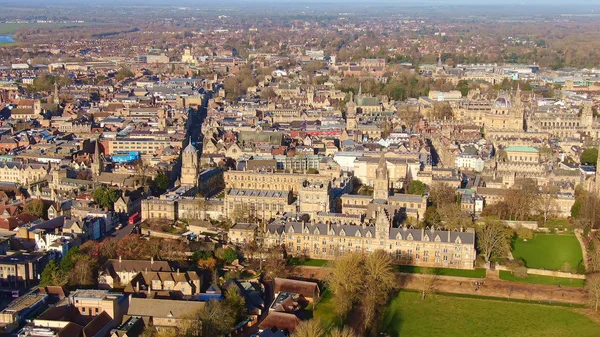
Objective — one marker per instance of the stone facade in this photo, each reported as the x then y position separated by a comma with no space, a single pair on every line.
421,247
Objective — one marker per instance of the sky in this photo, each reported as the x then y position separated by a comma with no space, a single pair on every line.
314,2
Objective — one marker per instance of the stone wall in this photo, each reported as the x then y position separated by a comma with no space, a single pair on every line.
543,272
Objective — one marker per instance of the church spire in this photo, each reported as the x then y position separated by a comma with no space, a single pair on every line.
96,161
381,172
56,97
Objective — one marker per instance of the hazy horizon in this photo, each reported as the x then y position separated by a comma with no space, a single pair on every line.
519,3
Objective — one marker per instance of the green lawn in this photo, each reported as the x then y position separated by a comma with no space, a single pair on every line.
308,262
451,316
541,279
325,311
548,251
557,223
475,273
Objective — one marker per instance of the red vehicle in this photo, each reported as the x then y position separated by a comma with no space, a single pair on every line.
135,217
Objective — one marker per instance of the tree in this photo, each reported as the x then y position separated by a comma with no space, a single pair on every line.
547,205
161,182
309,328
416,187
133,247
442,111
592,287
141,172
53,275
432,216
216,318
208,263
346,291
35,207
453,217
228,255
493,238
235,302
124,73
428,280
83,271
172,250
380,279
268,94
274,264
345,332
520,272
441,194
105,197
566,268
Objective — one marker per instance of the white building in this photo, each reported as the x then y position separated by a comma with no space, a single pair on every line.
469,162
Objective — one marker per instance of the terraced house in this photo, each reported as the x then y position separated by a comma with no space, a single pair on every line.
420,247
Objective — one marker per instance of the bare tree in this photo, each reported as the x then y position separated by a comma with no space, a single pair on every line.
141,172
345,332
442,194
592,287
428,281
493,238
310,328
547,205
275,264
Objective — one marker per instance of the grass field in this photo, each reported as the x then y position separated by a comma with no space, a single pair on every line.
475,273
541,279
442,315
325,310
548,251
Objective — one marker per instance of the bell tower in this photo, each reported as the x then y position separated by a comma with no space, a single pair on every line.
189,165
381,190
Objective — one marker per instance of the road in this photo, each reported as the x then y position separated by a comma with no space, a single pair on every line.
124,231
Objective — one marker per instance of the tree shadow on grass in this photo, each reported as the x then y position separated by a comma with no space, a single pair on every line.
393,320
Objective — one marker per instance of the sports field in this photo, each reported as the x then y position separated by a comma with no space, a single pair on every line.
549,251
441,316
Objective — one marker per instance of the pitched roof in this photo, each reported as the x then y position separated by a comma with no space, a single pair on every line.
97,324
304,288
281,321
147,307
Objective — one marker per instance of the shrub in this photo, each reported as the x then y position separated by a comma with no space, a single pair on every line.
524,233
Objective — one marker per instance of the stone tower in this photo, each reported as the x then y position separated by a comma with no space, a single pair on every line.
56,99
381,190
96,161
382,224
189,165
351,122
587,115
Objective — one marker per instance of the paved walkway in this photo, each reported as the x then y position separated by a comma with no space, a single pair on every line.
579,236
462,285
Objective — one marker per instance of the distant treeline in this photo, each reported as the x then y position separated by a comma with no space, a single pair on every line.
101,35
